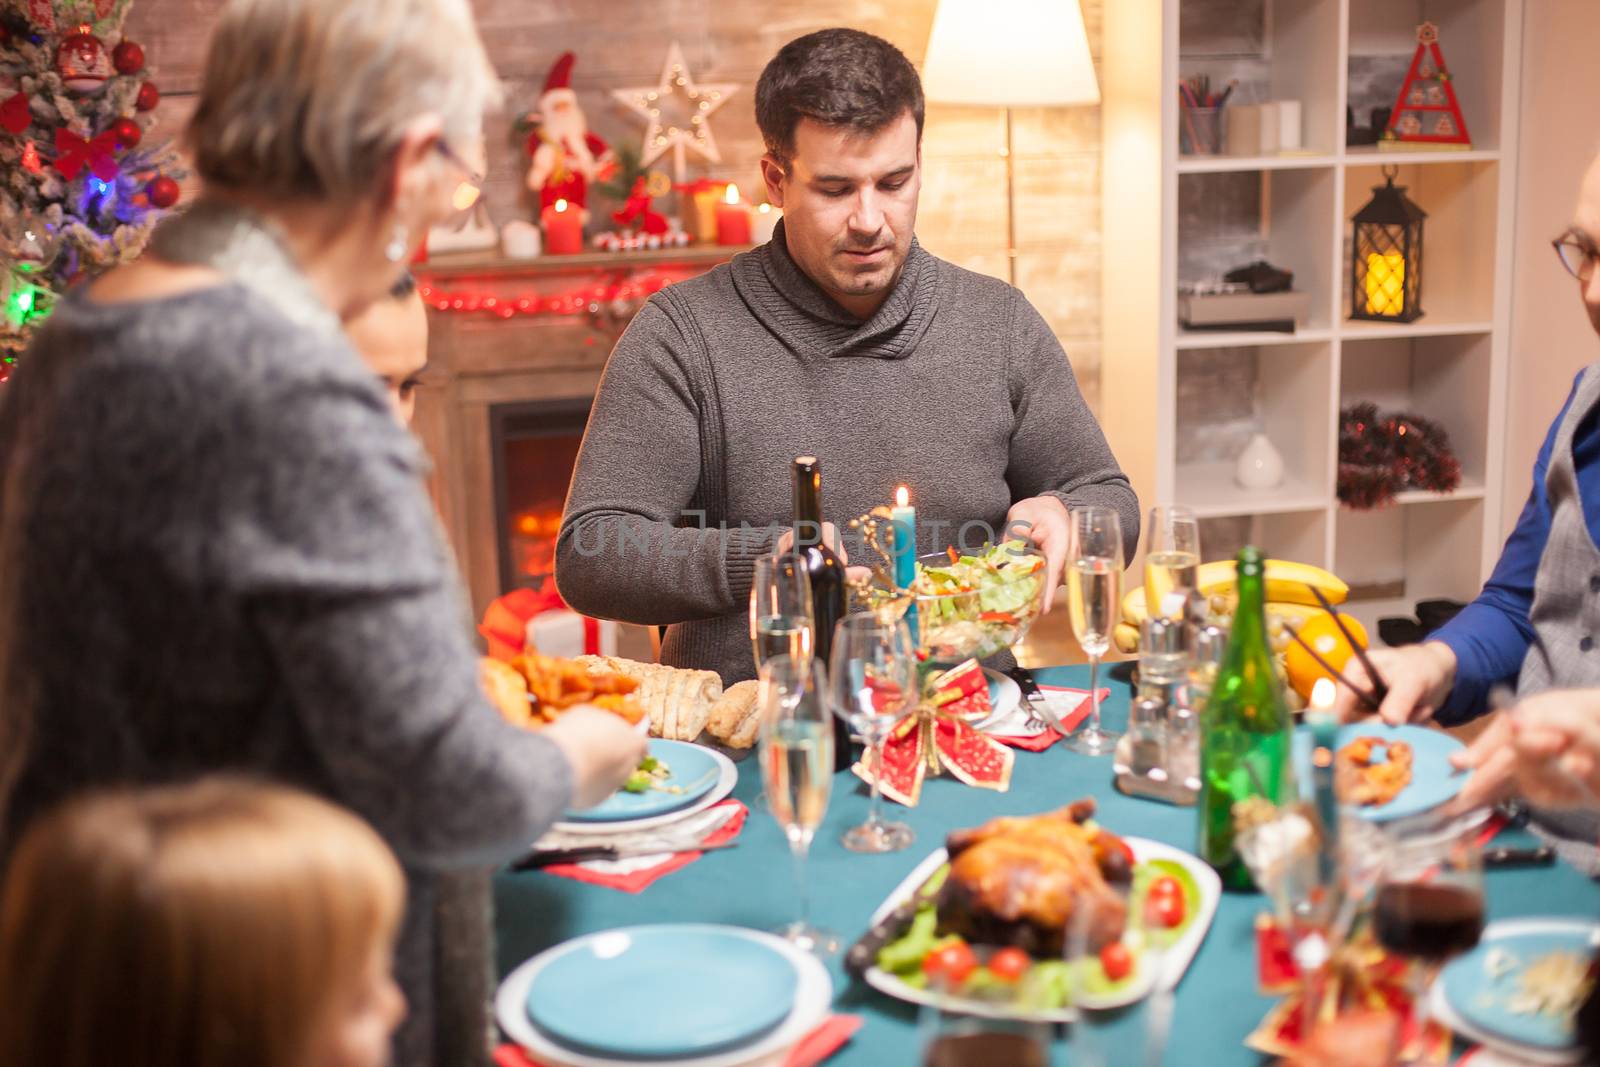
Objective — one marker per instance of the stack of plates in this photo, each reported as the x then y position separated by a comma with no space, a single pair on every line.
700,776
687,995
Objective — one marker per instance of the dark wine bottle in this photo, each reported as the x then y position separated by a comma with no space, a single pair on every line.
827,580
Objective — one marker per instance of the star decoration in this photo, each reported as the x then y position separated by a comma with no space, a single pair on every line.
677,111
1427,33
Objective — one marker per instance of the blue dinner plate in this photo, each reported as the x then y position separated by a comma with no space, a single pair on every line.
1433,780
665,991
1481,999
693,770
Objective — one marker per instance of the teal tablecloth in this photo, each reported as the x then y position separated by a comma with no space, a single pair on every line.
752,885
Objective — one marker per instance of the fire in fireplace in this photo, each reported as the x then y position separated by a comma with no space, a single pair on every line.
534,446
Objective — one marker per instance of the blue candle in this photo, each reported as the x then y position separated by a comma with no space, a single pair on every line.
904,518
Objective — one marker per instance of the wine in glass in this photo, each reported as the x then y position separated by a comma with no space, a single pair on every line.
1171,561
781,613
797,770
873,684
1094,599
1430,907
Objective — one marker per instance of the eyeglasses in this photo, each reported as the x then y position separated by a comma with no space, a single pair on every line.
1578,254
471,189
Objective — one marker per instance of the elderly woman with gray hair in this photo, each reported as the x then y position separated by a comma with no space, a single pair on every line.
215,548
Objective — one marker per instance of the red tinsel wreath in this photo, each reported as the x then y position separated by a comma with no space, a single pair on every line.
1381,455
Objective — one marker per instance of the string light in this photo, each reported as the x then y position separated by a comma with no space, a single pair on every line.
590,299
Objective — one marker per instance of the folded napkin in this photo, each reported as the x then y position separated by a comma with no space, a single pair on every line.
1071,707
1480,1056
822,1042
717,825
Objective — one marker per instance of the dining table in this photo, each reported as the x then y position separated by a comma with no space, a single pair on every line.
1216,1006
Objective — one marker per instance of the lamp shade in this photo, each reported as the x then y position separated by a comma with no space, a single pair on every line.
1009,53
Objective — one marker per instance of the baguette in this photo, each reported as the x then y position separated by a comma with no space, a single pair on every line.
735,717
678,701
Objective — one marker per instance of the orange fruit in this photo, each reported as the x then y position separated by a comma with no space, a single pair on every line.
1321,632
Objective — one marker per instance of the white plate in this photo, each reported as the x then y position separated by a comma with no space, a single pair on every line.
812,1001
1439,1004
1004,698
729,778
1175,961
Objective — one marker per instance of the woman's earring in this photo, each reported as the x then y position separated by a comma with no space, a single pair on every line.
396,249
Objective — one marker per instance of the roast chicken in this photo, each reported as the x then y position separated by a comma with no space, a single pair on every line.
1025,881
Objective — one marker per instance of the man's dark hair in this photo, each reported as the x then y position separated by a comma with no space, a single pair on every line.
836,77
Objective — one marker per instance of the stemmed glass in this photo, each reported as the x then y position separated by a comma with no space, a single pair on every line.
874,684
797,769
1429,907
781,613
1137,1033
1094,599
1171,560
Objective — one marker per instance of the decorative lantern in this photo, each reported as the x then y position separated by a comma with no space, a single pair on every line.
1386,256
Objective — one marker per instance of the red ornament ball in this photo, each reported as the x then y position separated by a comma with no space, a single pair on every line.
82,62
128,57
127,132
163,192
149,97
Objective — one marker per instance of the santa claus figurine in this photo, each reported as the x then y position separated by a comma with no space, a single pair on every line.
566,156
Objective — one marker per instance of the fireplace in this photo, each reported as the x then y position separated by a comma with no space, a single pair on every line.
534,445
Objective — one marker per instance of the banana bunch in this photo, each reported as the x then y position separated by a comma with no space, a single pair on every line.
1290,600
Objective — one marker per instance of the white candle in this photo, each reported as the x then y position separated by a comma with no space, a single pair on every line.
762,222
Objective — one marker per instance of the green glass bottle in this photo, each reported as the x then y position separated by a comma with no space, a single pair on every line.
1245,729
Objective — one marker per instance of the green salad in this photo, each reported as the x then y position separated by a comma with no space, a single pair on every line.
978,604
651,774
1163,891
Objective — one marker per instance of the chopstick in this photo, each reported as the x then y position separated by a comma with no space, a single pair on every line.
1380,688
1370,699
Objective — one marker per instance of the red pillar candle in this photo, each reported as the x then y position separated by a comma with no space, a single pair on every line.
733,220
563,229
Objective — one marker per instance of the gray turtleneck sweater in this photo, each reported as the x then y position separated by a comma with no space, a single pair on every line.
955,388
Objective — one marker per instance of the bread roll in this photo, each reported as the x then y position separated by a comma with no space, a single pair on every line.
735,717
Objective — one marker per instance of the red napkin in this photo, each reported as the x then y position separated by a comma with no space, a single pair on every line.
1050,735
829,1036
638,881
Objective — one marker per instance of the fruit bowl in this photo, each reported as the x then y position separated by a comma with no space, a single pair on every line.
976,618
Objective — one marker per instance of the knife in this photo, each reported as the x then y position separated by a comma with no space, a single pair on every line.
549,857
1536,856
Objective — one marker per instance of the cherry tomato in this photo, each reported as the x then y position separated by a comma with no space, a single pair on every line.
1165,911
1010,964
1116,961
950,964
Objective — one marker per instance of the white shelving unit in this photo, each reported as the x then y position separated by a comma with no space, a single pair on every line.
1450,365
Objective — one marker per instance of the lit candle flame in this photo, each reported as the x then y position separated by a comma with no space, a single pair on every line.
1322,694
561,205
733,193
902,497
765,209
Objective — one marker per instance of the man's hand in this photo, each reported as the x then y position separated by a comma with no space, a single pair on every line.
830,537
1048,527
602,748
1555,739
1419,678
1493,763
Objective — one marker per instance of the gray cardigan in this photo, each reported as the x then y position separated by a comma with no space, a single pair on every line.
225,559
956,387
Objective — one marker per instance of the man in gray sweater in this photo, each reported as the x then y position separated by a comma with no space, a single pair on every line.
841,338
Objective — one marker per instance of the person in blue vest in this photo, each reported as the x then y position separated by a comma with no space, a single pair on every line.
1535,627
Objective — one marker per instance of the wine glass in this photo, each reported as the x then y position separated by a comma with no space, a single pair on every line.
1137,1033
797,770
781,612
1094,600
951,1037
874,684
1430,907
1171,560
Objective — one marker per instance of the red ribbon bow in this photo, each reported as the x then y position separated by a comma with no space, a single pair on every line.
73,153
15,114
938,735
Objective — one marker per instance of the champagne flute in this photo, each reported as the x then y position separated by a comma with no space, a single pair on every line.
874,684
1430,907
1171,560
1094,600
781,611
797,770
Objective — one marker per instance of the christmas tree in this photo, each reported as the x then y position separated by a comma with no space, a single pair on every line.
81,189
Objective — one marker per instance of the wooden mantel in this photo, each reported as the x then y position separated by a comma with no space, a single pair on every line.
478,360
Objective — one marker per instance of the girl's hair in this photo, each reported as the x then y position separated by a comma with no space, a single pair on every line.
208,925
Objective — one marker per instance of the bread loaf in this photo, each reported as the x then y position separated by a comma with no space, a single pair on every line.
677,701
736,717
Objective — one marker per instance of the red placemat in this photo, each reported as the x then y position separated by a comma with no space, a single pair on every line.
638,881
829,1037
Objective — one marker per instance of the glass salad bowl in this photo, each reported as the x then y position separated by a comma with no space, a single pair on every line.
975,605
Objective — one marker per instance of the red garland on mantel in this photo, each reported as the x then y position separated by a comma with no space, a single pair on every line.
591,299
